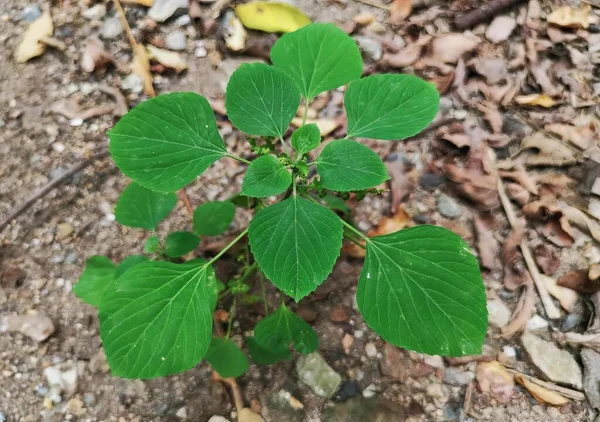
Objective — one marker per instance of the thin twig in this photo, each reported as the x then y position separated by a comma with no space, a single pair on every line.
49,187
567,392
125,25
483,13
186,202
468,398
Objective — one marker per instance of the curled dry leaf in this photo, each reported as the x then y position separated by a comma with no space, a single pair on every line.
167,58
541,394
448,48
546,259
547,151
557,228
94,56
580,219
565,296
500,28
540,72
234,33
493,70
487,245
443,82
31,45
520,175
517,193
571,18
491,114
581,281
581,136
542,100
406,56
493,378
399,11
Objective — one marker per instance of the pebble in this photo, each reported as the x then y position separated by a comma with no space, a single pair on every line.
370,47
498,313
371,350
448,207
2,416
338,314
65,380
370,391
31,12
96,12
71,258
58,172
591,376
162,10
176,40
36,326
89,399
314,371
218,418
201,52
396,363
64,230
348,390
132,83
446,104
112,28
359,334
431,181
183,20
455,376
181,413
536,324
347,342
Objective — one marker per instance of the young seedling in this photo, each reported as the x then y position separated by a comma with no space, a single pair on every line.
420,288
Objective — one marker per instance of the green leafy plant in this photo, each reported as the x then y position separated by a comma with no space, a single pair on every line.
420,288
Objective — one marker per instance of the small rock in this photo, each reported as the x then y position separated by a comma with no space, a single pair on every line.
132,83
371,48
348,390
435,390
162,10
431,181
455,376
75,407
36,326
434,361
500,28
96,12
65,380
64,230
181,413
58,172
359,334
89,399
498,313
31,12
112,28
218,418
591,376
396,363
371,350
556,364
249,415
200,52
176,40
536,324
347,343
2,416
314,371
71,258
307,314
446,104
339,314
370,391
448,207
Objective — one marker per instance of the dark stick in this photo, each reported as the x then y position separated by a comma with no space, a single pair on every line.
49,187
483,13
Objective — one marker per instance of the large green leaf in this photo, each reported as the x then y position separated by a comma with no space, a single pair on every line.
306,138
282,327
264,356
143,208
390,107
266,176
345,165
128,263
166,142
213,218
420,289
319,57
226,358
179,243
261,100
296,244
98,273
158,319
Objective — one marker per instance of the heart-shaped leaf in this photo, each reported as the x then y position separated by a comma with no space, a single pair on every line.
143,208
166,142
263,356
421,289
213,218
306,138
179,243
282,327
266,176
226,358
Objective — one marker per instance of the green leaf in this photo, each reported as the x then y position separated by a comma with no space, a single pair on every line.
98,273
282,327
266,176
213,218
345,165
179,243
143,208
335,203
166,142
261,100
128,263
420,289
390,107
296,244
158,319
306,138
263,356
152,244
226,358
319,57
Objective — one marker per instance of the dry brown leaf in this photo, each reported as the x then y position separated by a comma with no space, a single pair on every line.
492,115
557,228
580,281
167,58
565,296
500,28
31,45
547,151
540,72
517,193
401,182
580,219
448,48
581,136
571,18
71,109
442,82
542,100
402,58
94,56
399,11
546,259
140,66
493,378
520,175
493,70
515,274
541,394
487,245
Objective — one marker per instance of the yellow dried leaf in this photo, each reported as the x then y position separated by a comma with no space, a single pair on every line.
235,34
540,393
271,17
141,67
543,100
31,46
147,3
571,18
399,11
167,58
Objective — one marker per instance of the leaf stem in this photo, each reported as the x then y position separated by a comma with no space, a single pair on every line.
284,145
356,242
294,185
248,272
354,230
231,316
226,248
305,114
263,291
235,157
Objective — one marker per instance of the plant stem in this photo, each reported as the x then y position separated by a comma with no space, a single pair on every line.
248,272
263,291
283,144
356,242
305,114
294,185
231,316
235,157
226,248
355,231
186,202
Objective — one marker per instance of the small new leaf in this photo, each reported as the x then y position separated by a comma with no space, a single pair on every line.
166,142
263,356
296,244
213,218
152,244
266,176
143,208
157,321
99,272
282,327
179,243
261,100
318,57
226,358
345,165
306,138
390,107
420,289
